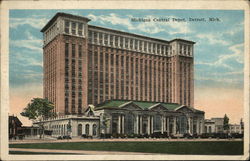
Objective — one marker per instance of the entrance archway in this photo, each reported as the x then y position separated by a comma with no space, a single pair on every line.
79,130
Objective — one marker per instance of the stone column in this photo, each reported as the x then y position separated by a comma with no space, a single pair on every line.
168,125
123,124
133,41
108,39
119,41
98,35
103,38
147,47
70,27
197,126
129,40
152,124
119,125
202,125
149,130
162,124
137,124
174,126
189,125
92,35
141,124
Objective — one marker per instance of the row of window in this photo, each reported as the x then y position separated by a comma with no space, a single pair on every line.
73,28
73,77
50,33
103,79
129,43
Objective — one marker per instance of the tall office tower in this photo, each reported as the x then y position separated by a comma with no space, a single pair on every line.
86,64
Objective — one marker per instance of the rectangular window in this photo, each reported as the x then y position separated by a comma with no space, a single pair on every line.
80,29
116,40
73,50
66,49
80,51
66,27
131,43
100,38
106,39
136,44
95,37
145,46
121,42
90,36
111,40
73,28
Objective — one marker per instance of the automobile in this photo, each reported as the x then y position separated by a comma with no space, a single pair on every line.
188,136
67,137
59,138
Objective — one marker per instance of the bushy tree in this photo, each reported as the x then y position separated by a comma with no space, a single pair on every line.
38,108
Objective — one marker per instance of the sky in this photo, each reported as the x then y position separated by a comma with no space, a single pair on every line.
218,52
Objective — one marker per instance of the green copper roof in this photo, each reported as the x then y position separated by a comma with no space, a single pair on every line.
115,103
171,106
142,104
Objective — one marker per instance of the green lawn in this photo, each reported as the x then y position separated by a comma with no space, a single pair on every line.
166,147
37,153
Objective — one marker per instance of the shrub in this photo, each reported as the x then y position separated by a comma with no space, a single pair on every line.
115,135
59,138
146,136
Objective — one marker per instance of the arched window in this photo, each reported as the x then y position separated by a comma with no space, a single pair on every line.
144,128
79,130
157,123
94,129
183,124
87,129
129,123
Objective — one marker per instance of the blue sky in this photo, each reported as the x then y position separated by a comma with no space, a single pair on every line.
218,52
218,49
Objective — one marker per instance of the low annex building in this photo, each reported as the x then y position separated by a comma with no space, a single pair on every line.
130,117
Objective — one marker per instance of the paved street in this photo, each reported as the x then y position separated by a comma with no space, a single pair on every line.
82,152
109,140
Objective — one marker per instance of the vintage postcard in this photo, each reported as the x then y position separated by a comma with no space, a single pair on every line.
115,80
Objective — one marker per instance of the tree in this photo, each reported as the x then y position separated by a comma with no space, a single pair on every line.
39,109
226,123
241,125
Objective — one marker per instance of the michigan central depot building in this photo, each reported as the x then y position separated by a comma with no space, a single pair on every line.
103,80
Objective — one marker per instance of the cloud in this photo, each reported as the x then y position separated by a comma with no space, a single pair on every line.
223,59
212,38
34,22
28,58
238,27
151,27
31,43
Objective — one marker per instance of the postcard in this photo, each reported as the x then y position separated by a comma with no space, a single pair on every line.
133,80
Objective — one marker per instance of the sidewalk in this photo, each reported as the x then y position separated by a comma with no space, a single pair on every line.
83,152
112,140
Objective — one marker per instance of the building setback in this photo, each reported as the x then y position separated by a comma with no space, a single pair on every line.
86,64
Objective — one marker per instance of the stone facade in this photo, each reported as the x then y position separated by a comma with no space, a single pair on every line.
214,125
137,117
105,81
86,64
127,118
